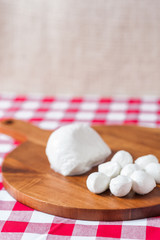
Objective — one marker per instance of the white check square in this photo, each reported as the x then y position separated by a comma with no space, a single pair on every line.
150,107
54,115
4,104
4,215
1,160
60,105
81,222
82,238
138,222
113,116
39,217
48,125
115,106
24,115
5,147
147,117
84,115
30,105
4,137
89,106
1,114
34,236
5,196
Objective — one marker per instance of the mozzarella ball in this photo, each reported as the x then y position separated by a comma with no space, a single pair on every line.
111,169
97,182
145,160
75,148
120,186
153,169
129,169
142,182
122,157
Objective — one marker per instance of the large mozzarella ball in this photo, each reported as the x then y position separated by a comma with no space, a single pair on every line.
120,186
75,148
145,160
122,157
142,182
97,182
111,169
153,169
129,169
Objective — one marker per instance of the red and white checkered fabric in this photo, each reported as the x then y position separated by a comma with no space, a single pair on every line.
21,222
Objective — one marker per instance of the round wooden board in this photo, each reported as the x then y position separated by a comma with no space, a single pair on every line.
28,178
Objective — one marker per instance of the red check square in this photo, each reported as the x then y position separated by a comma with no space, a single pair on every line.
61,229
48,99
66,120
20,98
76,100
1,185
152,233
11,226
99,121
20,207
105,100
113,231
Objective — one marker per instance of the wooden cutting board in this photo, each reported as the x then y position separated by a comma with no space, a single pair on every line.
28,178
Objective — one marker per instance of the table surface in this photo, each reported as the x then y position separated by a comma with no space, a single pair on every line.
18,221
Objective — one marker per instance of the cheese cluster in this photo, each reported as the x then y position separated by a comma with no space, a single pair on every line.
121,175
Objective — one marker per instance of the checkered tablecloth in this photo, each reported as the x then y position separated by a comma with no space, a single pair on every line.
21,222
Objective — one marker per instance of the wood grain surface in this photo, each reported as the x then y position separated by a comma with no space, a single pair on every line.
28,178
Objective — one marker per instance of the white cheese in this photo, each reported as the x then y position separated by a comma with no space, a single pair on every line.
129,169
75,148
111,169
153,169
142,182
120,186
122,157
145,160
97,182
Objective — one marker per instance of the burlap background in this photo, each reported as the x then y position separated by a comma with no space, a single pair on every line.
104,47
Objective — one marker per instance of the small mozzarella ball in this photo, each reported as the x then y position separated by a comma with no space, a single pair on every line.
97,182
111,169
129,169
153,169
142,182
120,186
122,157
145,160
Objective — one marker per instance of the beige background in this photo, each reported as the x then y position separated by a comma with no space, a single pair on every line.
105,47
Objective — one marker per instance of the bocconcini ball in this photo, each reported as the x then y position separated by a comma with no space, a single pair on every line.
129,169
122,157
153,169
142,182
145,160
111,169
120,186
97,182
